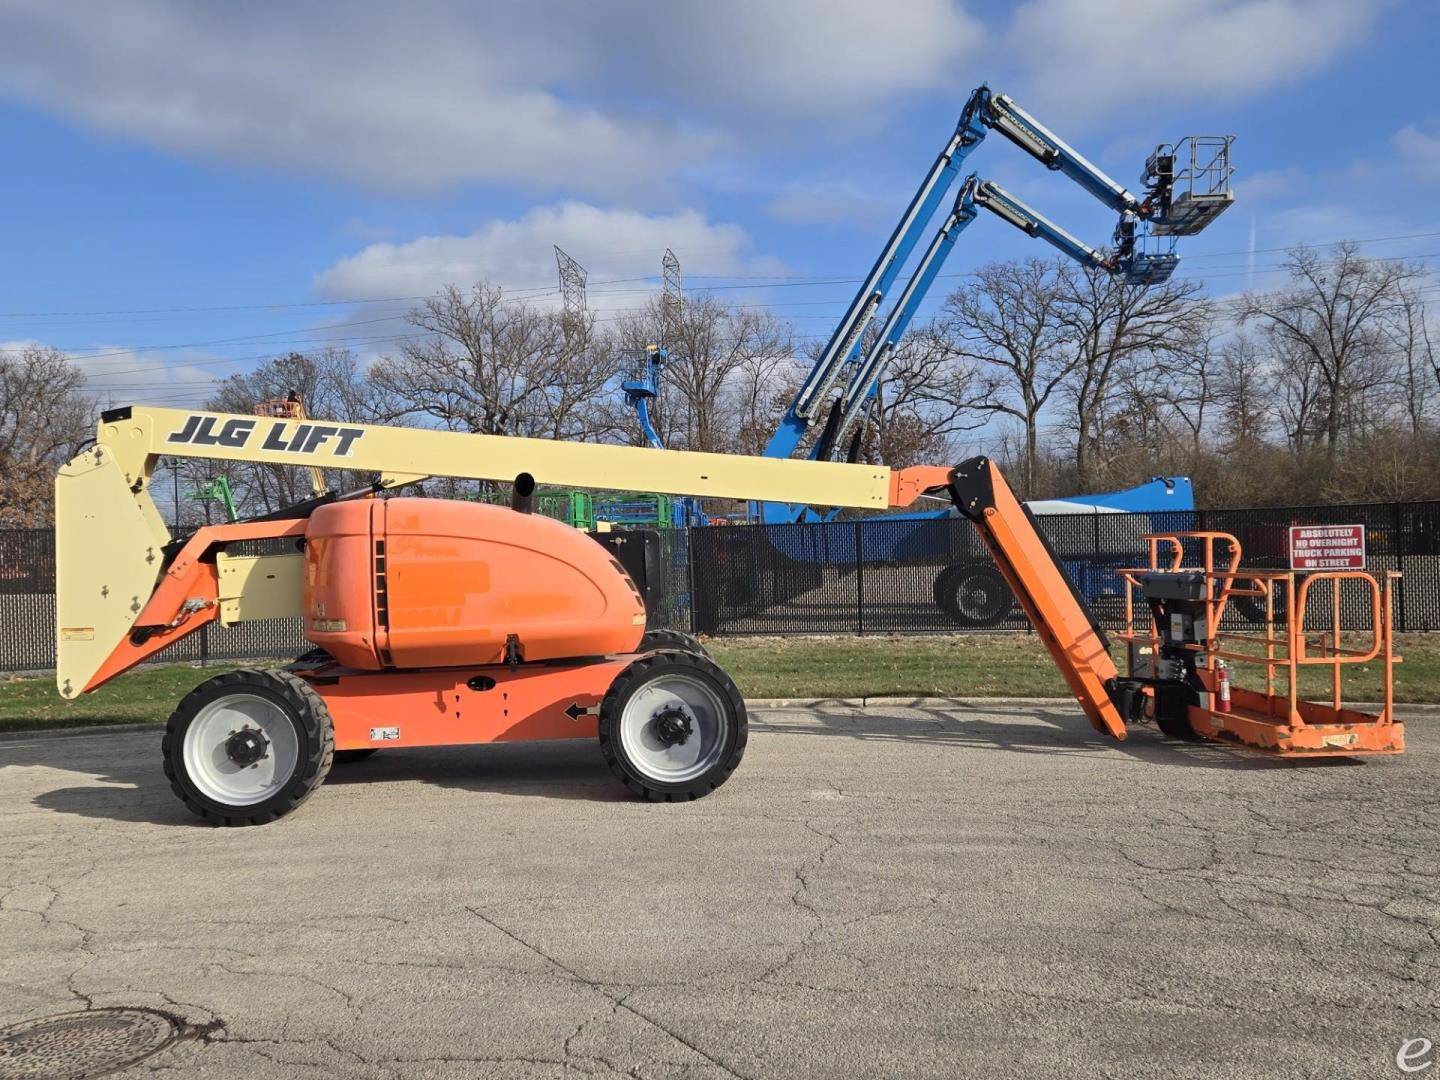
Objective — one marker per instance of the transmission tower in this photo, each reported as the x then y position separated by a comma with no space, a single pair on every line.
672,300
572,289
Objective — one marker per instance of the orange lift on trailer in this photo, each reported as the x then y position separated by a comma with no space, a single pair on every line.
438,622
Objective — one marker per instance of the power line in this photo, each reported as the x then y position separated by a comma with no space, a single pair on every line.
612,316
215,361
246,340
530,292
220,307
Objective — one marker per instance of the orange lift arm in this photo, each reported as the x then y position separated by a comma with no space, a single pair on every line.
1029,565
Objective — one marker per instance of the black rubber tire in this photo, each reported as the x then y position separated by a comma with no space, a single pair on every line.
1252,608
306,710
941,585
1177,728
638,674
671,639
349,757
974,595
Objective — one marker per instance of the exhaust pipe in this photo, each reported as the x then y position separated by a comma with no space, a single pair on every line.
522,494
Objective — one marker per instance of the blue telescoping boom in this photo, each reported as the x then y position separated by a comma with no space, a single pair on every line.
640,382
1182,195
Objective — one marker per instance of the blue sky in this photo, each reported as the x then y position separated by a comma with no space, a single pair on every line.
170,155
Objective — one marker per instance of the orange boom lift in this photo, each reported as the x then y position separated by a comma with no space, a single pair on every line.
437,622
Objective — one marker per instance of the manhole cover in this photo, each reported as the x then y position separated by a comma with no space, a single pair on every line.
73,1046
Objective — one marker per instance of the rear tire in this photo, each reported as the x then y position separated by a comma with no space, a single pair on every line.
671,639
1172,716
673,726
1177,728
249,746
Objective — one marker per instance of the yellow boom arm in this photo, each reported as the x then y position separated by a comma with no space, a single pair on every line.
111,540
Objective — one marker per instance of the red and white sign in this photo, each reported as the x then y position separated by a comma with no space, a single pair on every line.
1327,547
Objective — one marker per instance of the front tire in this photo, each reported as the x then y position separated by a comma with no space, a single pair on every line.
249,746
673,726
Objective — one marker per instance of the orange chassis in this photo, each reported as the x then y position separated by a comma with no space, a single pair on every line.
453,706
557,699
1278,722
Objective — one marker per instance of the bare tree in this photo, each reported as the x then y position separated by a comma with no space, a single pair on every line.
763,387
1333,315
927,397
1108,325
712,345
1144,415
1409,331
724,363
1300,392
329,383
1241,388
1186,381
44,416
1009,321
494,366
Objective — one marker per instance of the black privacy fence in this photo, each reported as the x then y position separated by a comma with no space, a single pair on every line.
898,576
867,576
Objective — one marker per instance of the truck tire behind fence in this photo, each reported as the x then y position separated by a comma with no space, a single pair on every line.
973,595
1252,608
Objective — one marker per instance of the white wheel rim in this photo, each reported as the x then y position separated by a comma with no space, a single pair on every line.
678,762
208,762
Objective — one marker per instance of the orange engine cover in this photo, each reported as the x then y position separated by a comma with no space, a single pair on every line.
412,583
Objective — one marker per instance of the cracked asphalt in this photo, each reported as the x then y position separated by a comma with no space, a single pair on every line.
987,892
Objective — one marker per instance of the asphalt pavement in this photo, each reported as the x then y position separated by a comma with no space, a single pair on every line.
987,891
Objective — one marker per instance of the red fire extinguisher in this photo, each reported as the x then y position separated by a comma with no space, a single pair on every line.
1222,686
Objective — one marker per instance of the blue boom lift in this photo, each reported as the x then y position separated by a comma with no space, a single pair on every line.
640,382
1187,186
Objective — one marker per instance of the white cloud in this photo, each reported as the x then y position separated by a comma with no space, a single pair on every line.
816,57
1419,152
518,254
605,97
119,374
430,96
1082,58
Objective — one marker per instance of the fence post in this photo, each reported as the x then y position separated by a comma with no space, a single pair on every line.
1399,540
859,580
690,576
205,645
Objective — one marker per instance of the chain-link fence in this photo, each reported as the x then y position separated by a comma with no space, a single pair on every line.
932,575
867,576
